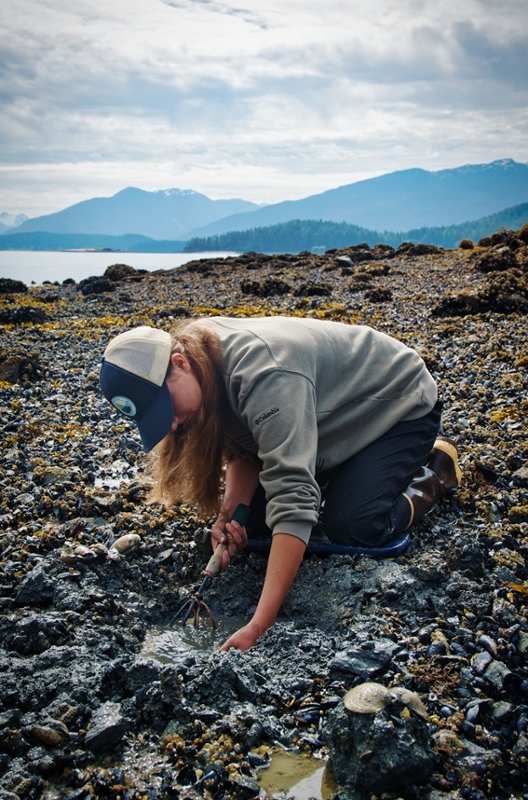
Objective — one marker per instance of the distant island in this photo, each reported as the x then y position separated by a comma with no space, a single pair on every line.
318,236
294,236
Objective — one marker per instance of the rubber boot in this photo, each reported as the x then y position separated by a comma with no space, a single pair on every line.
434,480
444,463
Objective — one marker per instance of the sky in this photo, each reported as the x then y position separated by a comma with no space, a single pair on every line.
266,100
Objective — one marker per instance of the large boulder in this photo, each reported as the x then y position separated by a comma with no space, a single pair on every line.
380,749
10,286
96,285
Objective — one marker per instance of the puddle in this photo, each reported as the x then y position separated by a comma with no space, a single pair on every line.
168,645
112,478
290,774
296,775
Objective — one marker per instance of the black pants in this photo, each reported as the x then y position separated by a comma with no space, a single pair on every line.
362,498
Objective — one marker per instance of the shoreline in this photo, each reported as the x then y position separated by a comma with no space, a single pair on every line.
447,620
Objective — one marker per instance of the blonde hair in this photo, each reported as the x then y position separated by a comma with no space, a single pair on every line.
187,465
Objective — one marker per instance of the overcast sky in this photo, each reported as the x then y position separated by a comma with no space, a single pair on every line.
267,100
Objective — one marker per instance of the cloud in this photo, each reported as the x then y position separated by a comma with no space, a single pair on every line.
220,8
269,99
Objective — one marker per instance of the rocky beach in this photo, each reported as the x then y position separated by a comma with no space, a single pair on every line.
102,697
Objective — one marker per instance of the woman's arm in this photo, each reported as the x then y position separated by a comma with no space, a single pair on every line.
241,481
284,560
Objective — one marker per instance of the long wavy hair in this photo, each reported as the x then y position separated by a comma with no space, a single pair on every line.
187,465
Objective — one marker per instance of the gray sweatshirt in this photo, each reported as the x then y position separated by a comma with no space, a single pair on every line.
305,395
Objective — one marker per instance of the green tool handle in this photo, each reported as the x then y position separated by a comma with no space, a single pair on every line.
240,515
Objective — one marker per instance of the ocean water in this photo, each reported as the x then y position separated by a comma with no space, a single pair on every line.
31,266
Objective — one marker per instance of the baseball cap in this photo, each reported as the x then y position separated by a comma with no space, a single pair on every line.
132,378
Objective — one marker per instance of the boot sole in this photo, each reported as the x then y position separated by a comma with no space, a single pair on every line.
449,449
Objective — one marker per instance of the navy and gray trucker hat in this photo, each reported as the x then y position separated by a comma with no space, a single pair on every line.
132,378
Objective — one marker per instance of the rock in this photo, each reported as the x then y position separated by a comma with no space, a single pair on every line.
376,753
501,711
96,285
10,286
367,661
522,645
20,366
412,249
19,314
107,729
118,272
379,295
520,748
314,289
36,589
269,286
500,257
523,233
496,673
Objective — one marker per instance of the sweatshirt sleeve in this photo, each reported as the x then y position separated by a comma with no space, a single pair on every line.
280,412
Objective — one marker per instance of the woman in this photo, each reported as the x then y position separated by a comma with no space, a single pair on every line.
302,411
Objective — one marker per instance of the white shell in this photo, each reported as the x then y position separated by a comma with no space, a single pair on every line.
126,543
77,554
369,698
411,700
49,735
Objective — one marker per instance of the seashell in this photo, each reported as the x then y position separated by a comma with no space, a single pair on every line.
125,544
76,555
369,698
411,700
50,735
100,550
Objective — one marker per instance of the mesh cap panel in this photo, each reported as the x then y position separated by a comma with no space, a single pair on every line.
142,351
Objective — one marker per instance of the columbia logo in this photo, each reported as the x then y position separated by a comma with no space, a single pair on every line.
269,413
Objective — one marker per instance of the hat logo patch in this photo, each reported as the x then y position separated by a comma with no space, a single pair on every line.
124,405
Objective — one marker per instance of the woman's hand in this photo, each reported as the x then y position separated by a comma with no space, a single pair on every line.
244,638
231,534
241,481
285,557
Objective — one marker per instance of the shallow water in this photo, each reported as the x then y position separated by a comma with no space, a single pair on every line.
167,644
297,775
290,774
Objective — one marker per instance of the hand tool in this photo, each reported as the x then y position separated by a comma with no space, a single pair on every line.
195,604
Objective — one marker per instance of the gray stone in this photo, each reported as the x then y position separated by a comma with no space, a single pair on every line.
36,589
368,660
520,748
501,710
496,673
108,728
377,753
522,644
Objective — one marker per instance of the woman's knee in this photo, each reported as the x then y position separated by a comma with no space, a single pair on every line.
371,530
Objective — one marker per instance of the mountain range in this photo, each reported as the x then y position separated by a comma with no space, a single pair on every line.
164,214
8,222
397,201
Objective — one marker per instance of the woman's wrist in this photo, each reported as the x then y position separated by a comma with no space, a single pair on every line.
258,626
